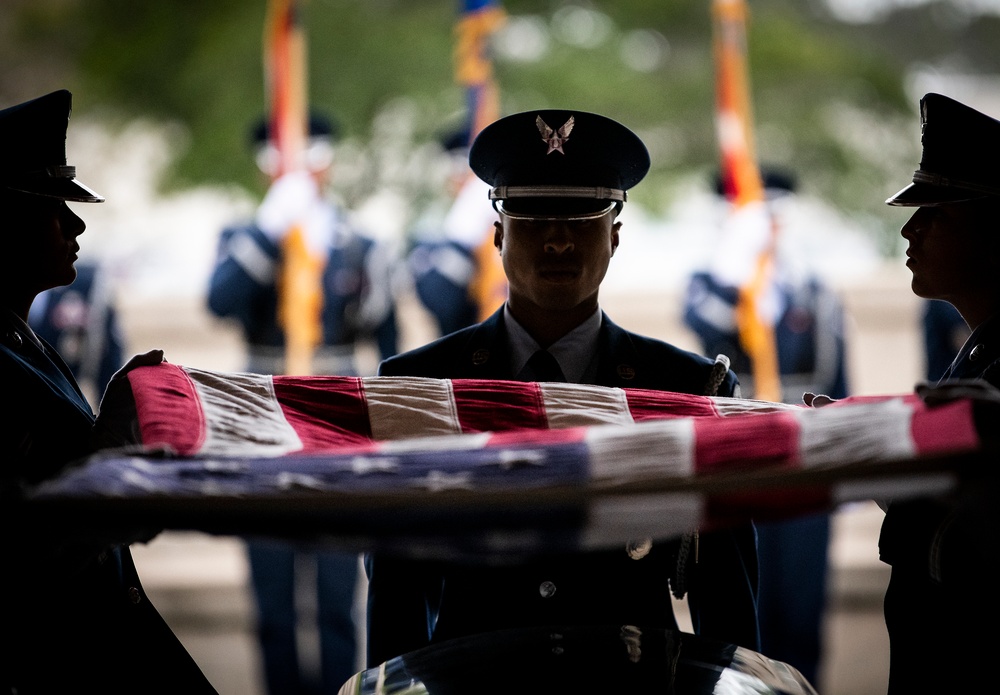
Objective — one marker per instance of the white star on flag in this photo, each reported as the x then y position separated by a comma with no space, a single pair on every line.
438,481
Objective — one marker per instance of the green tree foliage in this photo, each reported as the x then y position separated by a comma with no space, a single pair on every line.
828,97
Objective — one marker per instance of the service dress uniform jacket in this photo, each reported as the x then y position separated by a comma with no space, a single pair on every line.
942,551
809,334
358,306
413,603
75,617
358,301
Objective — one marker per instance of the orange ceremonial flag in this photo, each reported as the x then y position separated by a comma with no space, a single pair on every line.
478,20
743,186
300,296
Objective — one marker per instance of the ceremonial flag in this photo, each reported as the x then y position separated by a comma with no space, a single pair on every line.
300,296
445,466
744,189
478,20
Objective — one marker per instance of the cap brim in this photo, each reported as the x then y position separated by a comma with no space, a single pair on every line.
61,188
556,206
925,195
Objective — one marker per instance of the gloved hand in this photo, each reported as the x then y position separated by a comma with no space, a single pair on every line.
295,201
287,203
747,233
145,359
936,394
116,421
816,400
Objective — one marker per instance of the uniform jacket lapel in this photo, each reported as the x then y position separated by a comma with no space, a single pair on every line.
979,358
616,356
486,354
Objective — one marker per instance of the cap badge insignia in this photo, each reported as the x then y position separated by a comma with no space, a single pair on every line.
554,138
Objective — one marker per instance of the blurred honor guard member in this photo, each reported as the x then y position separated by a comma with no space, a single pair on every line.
558,181
74,615
450,276
358,305
81,321
357,289
942,602
808,322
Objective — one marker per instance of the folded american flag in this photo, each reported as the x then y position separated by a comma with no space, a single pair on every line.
515,465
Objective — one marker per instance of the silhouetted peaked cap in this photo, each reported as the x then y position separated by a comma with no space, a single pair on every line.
558,161
33,149
961,151
319,126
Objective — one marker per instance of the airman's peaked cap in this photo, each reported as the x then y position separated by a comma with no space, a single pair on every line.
33,150
961,148
558,160
318,125
776,182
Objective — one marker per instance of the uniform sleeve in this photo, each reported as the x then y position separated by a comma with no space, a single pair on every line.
378,300
44,432
245,267
710,312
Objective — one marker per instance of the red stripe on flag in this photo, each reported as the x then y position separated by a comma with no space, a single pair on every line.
722,443
943,428
538,437
181,425
646,404
326,412
485,406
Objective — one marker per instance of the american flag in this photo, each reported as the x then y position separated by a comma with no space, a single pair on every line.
438,465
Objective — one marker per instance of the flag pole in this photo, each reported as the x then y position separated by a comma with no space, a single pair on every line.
477,21
743,186
300,297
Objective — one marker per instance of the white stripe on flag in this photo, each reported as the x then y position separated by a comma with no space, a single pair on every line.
578,405
400,407
242,415
652,449
880,431
727,406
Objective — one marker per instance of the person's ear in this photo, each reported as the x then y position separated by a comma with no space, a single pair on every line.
498,235
615,229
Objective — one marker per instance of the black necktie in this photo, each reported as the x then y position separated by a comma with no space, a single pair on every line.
545,367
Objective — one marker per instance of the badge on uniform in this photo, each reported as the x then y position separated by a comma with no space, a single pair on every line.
554,138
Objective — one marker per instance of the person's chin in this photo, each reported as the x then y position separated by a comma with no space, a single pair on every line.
68,276
559,279
920,290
